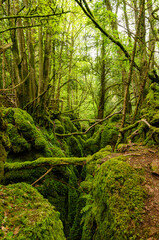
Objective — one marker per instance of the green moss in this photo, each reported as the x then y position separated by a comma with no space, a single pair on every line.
109,135
56,151
72,196
76,230
92,145
68,125
75,148
58,127
96,158
23,136
18,143
29,215
3,157
115,203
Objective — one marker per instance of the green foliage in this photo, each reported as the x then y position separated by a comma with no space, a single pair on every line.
115,203
29,215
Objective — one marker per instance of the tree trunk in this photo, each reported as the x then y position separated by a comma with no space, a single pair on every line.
102,83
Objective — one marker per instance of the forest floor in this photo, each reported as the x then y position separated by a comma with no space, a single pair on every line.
146,160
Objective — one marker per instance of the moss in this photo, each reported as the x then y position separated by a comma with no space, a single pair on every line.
72,196
3,157
58,127
75,148
109,135
68,125
95,159
92,145
56,193
57,152
23,136
29,215
76,230
18,143
115,203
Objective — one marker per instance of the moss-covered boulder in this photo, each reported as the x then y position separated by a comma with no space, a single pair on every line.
109,135
26,139
75,147
59,127
25,214
3,157
92,144
114,203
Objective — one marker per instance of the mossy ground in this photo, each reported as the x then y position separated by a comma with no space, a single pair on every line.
25,214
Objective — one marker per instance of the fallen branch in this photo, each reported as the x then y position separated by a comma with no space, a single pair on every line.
83,133
42,176
43,162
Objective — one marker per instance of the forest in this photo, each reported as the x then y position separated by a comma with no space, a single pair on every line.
79,119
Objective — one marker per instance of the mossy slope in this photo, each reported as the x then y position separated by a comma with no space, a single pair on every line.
25,214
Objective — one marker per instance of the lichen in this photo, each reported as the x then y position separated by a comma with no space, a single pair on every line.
25,214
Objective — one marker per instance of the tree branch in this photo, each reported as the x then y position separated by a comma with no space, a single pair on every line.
13,28
43,162
83,133
90,15
33,16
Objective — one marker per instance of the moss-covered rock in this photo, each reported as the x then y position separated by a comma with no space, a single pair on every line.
109,135
92,145
114,204
3,157
75,147
58,127
25,214
68,125
23,137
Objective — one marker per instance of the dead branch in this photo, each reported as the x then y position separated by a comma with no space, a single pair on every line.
42,176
